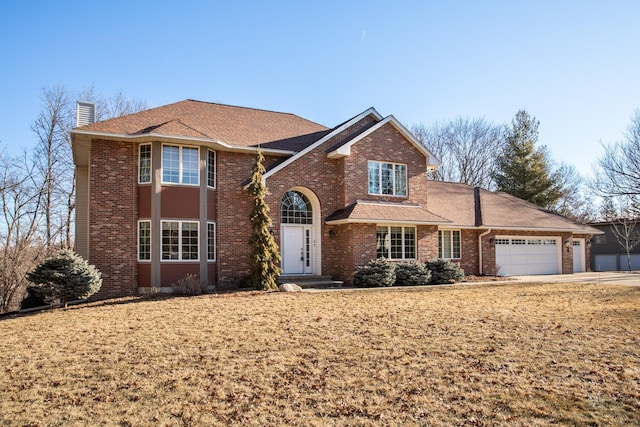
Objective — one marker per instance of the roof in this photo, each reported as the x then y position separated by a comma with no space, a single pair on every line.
469,207
367,211
236,126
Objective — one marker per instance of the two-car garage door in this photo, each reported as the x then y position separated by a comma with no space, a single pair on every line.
523,255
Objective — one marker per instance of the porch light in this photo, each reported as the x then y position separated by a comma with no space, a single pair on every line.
332,234
492,242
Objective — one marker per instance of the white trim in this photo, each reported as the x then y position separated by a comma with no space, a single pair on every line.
316,226
146,144
345,149
452,230
378,221
370,111
173,139
215,243
406,179
180,260
215,168
180,165
150,241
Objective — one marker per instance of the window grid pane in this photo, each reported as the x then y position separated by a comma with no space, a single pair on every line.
382,246
144,240
409,243
396,242
189,165
189,240
374,177
401,180
170,164
170,240
295,208
211,168
387,178
211,241
456,244
144,172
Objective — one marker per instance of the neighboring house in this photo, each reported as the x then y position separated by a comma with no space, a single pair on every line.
161,194
608,250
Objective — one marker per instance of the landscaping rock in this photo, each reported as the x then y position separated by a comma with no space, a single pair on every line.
289,287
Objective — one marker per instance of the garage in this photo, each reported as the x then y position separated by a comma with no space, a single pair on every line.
525,255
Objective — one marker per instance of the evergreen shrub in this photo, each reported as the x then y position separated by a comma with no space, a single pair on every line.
412,274
444,271
376,273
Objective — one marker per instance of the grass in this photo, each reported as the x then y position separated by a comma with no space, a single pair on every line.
509,354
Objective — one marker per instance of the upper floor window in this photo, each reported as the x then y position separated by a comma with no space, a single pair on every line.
144,164
449,244
387,178
211,168
180,164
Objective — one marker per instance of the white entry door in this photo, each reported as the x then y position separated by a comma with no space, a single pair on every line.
297,249
578,255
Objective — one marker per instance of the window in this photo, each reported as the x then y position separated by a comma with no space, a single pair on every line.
180,240
295,208
211,168
395,242
211,241
387,178
449,244
144,240
179,165
144,164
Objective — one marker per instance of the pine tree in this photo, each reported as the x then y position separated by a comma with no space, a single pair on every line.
265,254
525,171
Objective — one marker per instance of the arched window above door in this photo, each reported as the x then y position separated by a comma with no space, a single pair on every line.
295,208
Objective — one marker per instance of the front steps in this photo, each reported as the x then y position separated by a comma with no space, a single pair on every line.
310,281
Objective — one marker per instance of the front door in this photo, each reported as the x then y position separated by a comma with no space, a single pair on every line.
297,249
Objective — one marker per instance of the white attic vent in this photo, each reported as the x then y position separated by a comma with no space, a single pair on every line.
85,113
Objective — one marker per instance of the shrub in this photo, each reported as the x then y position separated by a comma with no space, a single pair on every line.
444,271
37,297
377,273
189,285
412,274
67,276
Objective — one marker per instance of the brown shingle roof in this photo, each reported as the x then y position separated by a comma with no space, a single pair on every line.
457,202
366,211
232,125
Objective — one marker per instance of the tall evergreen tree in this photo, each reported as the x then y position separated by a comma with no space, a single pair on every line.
265,254
525,171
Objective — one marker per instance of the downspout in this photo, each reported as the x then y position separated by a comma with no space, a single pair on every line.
480,249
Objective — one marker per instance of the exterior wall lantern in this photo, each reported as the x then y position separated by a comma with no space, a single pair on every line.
492,242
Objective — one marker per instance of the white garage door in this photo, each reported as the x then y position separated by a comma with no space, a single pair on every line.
522,255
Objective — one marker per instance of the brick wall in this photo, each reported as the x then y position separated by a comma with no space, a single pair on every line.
113,207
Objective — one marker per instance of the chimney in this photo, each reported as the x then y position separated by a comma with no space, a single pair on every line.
85,113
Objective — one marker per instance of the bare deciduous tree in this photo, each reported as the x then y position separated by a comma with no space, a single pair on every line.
618,172
466,147
625,227
574,202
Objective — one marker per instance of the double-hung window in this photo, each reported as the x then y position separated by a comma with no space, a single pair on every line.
387,178
180,240
180,164
144,164
396,242
449,244
144,240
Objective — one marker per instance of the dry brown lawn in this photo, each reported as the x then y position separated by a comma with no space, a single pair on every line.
505,354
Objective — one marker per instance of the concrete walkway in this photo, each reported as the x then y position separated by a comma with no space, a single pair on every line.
613,277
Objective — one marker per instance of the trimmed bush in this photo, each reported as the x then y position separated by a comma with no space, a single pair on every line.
377,273
412,274
444,271
67,276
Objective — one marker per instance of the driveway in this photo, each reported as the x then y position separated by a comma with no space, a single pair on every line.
617,277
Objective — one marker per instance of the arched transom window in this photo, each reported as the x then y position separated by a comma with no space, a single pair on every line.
295,208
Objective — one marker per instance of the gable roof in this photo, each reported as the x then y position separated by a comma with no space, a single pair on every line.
233,126
469,207
345,148
368,211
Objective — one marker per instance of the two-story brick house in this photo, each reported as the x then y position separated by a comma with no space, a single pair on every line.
161,194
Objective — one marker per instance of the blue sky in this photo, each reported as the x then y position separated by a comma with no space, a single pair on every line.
575,65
